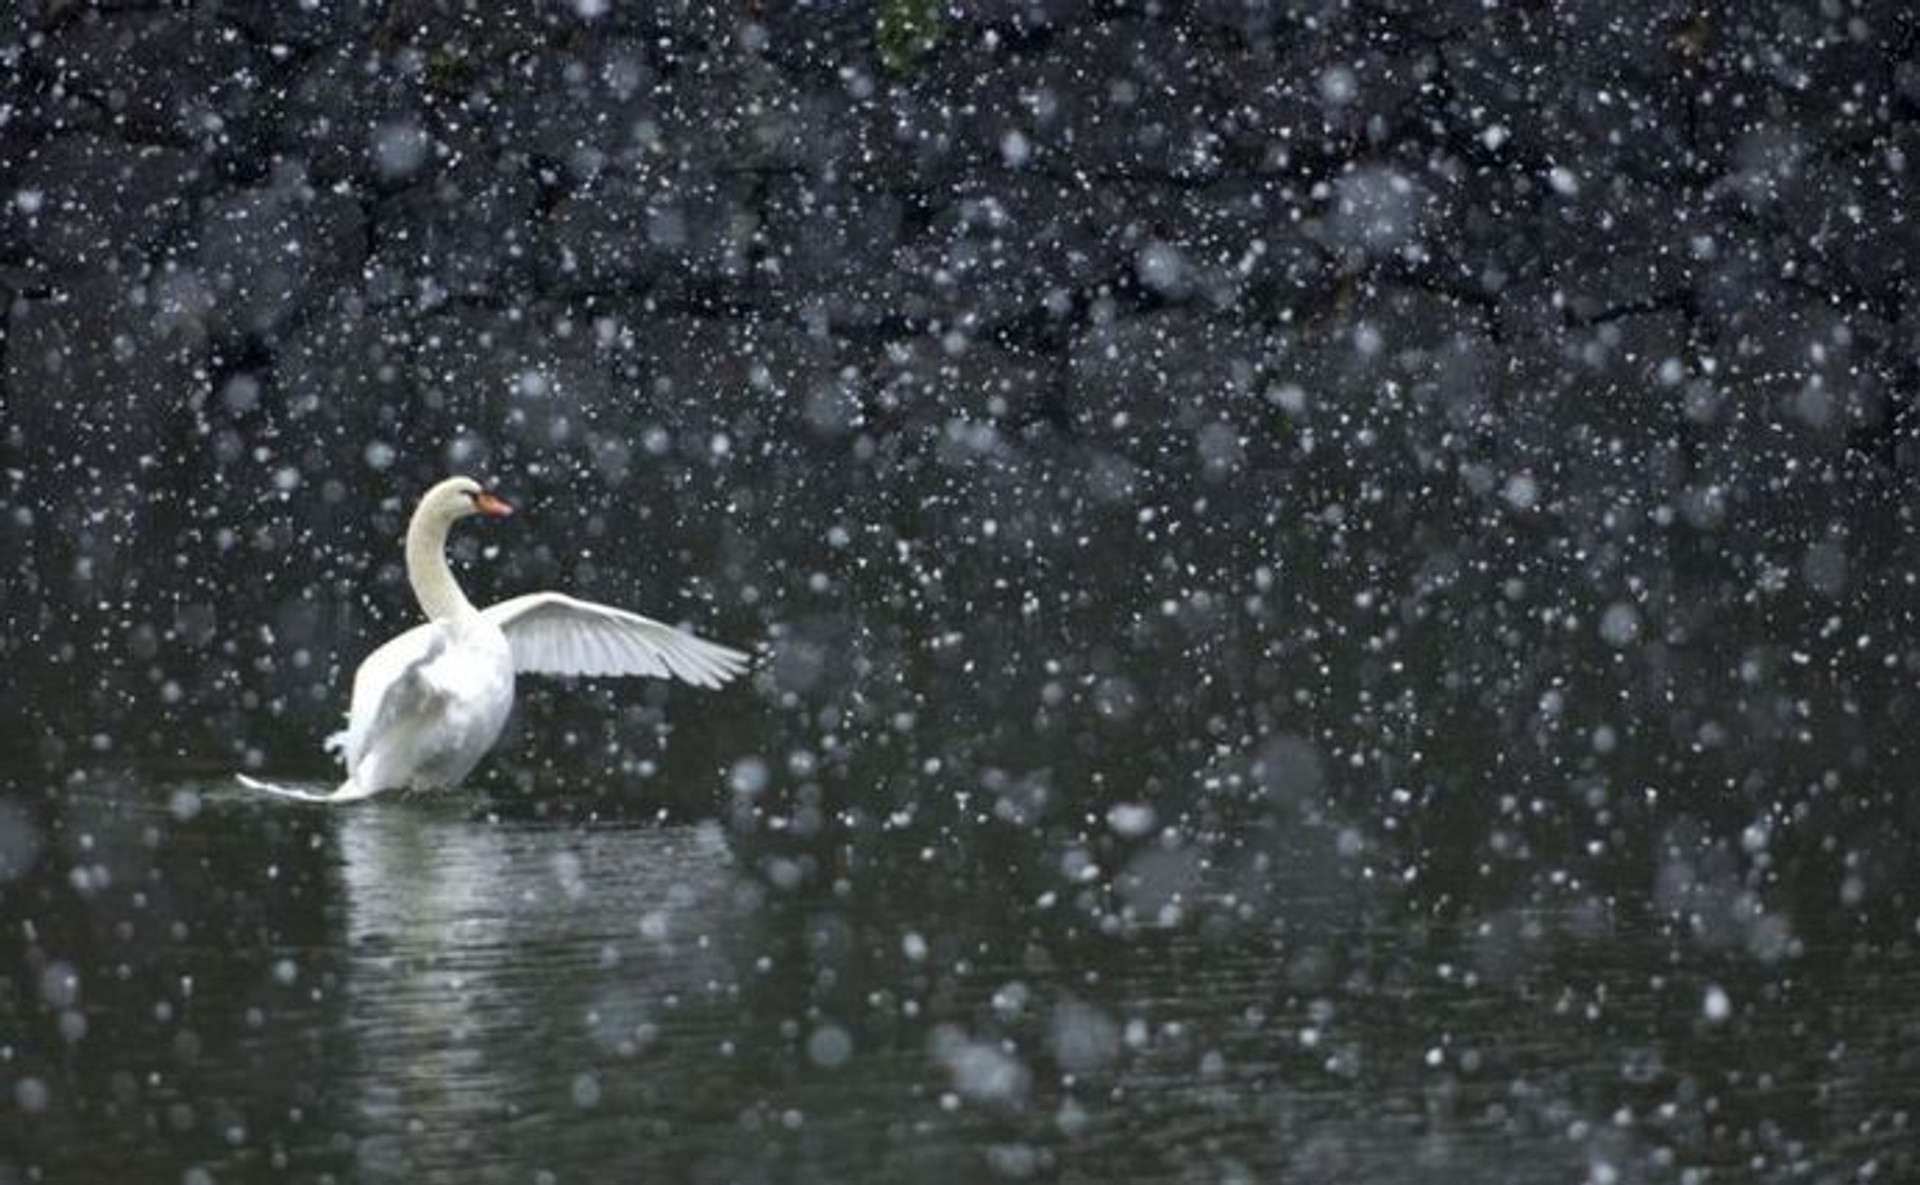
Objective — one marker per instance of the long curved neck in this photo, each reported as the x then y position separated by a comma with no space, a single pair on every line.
433,583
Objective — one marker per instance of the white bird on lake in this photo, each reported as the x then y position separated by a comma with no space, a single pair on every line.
429,704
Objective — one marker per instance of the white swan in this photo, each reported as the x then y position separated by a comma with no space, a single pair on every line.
429,704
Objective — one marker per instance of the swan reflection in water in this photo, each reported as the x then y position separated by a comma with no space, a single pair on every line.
508,982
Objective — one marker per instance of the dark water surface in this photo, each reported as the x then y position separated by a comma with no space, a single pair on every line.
213,986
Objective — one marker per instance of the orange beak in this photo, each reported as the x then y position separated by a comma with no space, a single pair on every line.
487,503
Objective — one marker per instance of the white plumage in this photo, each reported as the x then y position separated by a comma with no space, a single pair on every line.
551,633
428,705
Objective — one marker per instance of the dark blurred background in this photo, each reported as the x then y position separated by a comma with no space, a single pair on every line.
1097,388
1469,450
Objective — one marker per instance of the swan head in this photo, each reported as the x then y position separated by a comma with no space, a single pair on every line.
459,497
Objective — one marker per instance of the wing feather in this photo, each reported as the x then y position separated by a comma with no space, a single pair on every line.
398,701
554,634
382,685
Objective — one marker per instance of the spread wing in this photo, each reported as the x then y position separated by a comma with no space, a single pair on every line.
553,634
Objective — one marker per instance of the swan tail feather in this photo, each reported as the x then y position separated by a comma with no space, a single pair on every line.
281,790
350,791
